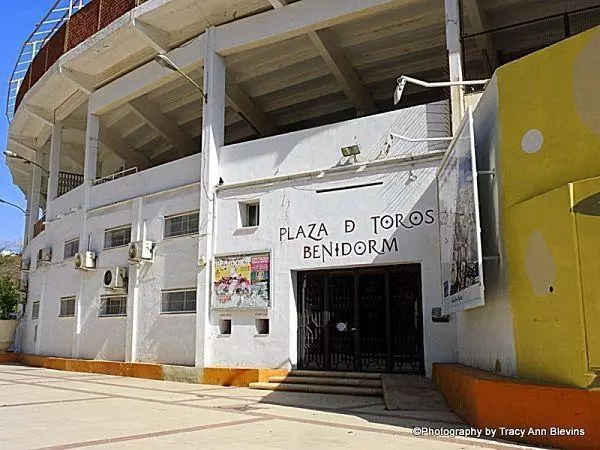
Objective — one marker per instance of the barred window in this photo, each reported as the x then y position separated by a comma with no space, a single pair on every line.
113,305
67,307
181,225
71,248
178,301
35,310
117,237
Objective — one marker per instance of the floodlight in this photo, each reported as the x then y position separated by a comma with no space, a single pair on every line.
399,90
351,150
164,61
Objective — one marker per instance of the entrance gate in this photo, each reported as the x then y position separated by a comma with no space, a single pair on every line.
361,320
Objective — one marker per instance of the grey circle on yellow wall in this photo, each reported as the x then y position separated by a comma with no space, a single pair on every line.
532,141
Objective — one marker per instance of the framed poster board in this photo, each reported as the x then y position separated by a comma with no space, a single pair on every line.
242,281
460,237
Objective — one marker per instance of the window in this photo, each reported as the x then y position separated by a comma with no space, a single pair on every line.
181,225
67,307
71,248
117,237
262,326
113,305
178,301
225,326
35,310
250,214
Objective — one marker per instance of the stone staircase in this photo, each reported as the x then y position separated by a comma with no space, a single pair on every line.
321,382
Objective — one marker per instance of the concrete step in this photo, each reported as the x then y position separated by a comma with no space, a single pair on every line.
333,374
319,389
329,381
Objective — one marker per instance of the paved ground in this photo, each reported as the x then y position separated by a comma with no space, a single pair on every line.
41,408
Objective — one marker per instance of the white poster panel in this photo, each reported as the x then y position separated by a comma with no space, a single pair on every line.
242,281
460,239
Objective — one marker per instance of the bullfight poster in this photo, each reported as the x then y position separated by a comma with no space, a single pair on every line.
242,281
460,240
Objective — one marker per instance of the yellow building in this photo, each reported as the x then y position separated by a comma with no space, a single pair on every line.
540,120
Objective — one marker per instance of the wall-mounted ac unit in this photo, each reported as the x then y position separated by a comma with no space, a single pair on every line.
85,260
25,264
44,255
116,279
141,251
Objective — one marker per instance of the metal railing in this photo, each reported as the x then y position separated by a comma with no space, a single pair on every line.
68,181
115,176
39,226
483,52
60,12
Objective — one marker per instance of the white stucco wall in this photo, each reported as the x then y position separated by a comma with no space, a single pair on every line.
486,334
146,198
296,203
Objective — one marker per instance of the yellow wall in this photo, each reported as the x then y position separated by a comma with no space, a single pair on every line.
549,136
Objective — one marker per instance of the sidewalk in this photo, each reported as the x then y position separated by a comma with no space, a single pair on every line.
42,408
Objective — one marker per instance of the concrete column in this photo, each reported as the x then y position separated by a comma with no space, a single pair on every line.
133,291
33,202
454,48
92,139
213,136
54,168
28,212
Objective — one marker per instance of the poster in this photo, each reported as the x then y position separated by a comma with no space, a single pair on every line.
242,281
460,240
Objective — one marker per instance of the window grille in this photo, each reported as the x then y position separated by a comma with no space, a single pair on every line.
67,307
35,310
117,237
181,225
178,301
71,248
113,306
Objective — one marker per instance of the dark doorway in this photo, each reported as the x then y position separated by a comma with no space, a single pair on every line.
361,320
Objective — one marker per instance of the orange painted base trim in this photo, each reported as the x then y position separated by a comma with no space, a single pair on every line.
221,376
486,400
123,369
224,376
8,357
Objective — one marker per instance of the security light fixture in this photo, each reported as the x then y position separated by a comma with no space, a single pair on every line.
437,84
352,150
165,61
12,204
10,154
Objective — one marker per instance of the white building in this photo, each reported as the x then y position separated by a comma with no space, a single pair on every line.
350,276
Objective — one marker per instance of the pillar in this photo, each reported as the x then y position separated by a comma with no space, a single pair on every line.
454,47
54,168
33,202
213,136
92,139
133,290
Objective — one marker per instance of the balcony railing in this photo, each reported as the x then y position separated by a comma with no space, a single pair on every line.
484,51
39,226
68,181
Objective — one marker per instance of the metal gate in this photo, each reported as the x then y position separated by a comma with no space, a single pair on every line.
361,320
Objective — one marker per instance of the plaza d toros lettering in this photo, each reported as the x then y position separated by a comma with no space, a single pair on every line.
319,232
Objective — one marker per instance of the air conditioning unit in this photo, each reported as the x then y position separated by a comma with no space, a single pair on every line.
22,298
85,260
44,255
23,285
25,264
116,279
141,251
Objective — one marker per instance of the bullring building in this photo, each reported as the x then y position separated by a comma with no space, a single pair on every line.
230,184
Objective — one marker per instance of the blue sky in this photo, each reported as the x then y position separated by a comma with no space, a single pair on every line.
18,20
